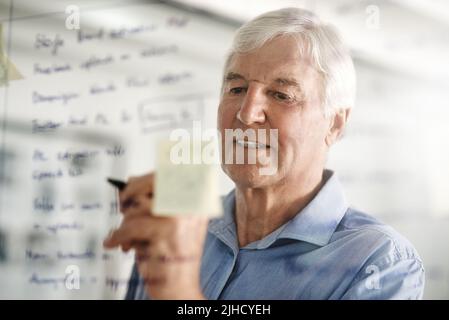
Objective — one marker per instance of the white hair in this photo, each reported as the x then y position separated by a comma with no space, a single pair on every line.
319,41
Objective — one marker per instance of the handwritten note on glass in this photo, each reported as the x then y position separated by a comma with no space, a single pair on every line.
92,103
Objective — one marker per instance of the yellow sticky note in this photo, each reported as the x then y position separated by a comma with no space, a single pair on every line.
185,187
8,70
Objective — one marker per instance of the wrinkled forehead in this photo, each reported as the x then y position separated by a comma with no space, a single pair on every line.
280,57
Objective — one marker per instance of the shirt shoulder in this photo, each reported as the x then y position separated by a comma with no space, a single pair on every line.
363,227
387,258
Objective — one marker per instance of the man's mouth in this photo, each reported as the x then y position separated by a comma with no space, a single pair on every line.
251,144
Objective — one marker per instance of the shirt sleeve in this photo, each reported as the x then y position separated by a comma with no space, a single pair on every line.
388,276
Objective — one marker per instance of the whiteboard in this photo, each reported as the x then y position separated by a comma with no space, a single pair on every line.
91,105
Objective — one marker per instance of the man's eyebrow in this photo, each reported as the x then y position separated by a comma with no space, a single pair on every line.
234,76
288,82
280,81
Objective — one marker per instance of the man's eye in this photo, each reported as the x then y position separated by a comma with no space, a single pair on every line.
237,90
281,96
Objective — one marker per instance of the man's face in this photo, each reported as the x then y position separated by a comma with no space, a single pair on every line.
274,88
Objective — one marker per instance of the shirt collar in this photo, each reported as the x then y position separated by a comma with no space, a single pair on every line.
224,227
315,223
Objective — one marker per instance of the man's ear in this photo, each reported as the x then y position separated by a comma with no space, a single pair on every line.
337,125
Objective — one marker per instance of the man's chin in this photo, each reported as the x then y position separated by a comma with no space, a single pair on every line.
246,175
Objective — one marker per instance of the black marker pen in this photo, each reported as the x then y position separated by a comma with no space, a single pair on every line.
120,185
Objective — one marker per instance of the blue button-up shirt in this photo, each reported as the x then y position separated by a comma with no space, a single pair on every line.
327,251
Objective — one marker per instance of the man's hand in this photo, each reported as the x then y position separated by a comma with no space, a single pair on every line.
168,249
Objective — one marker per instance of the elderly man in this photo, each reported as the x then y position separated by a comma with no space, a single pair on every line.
284,235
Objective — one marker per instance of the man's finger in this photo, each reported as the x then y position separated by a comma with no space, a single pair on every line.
137,186
141,207
135,230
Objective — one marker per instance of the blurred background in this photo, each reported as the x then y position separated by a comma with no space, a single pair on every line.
89,94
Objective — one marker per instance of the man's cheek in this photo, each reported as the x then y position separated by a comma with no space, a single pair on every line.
223,118
227,122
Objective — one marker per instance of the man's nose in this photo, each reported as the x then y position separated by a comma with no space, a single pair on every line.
253,106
